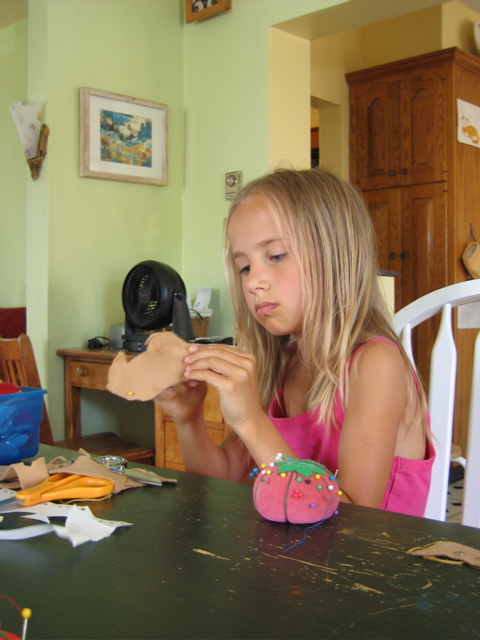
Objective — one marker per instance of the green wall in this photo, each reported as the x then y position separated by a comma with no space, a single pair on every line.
13,167
85,234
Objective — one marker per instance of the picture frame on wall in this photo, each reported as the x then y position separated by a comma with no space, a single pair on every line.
200,9
123,138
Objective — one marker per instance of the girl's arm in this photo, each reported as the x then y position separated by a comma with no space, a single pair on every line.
375,411
233,374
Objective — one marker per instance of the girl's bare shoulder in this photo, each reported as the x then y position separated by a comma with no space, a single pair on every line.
379,355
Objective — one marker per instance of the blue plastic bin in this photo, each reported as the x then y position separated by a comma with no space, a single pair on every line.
20,418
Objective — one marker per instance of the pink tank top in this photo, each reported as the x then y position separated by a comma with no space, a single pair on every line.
409,481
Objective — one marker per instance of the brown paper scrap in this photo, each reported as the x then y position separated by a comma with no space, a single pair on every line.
448,552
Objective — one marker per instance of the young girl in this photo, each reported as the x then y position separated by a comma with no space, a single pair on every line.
317,373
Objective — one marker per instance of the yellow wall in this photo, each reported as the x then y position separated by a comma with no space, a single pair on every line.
457,28
289,100
386,41
330,58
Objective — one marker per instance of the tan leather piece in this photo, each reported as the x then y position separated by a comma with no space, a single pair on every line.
450,552
145,376
20,475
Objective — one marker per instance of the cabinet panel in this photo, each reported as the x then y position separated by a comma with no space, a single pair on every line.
410,225
212,412
216,428
423,259
384,205
374,114
173,457
423,241
423,127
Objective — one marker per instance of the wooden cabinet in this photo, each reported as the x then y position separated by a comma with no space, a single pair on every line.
421,184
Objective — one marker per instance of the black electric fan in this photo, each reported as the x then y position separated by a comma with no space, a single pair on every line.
153,297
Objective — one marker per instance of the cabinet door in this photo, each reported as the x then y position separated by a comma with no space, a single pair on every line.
384,205
423,127
423,258
375,134
423,240
410,225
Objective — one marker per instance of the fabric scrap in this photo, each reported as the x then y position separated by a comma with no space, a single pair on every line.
448,552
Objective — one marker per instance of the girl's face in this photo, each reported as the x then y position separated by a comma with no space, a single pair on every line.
270,277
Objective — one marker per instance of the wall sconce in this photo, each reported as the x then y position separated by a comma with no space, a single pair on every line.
27,115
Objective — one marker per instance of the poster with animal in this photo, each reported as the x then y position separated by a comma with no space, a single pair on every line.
468,128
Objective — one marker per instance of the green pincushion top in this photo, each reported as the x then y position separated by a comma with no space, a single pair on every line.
303,467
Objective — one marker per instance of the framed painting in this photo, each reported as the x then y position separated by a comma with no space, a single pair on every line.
200,9
123,138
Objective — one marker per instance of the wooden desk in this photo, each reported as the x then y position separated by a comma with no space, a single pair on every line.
200,562
88,369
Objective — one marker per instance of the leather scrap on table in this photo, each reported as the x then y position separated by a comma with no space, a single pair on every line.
84,465
448,552
20,475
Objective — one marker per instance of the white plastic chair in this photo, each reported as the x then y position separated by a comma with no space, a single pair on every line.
441,396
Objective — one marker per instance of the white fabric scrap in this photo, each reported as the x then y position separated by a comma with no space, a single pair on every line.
80,523
82,526
24,533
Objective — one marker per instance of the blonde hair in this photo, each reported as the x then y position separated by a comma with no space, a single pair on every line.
330,235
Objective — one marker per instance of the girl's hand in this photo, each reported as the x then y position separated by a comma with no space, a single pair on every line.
184,402
233,374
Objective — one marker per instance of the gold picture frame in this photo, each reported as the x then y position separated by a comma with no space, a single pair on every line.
200,9
123,138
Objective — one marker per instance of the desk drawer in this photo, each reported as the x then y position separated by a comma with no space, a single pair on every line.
90,375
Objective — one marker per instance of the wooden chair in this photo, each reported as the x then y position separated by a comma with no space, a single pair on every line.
18,366
441,396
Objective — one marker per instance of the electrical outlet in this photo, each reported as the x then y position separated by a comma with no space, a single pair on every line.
233,184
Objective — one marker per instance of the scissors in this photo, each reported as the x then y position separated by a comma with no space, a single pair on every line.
63,486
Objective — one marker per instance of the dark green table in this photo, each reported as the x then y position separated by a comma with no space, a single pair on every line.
199,562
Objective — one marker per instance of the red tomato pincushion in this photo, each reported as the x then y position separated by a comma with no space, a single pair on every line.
296,491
